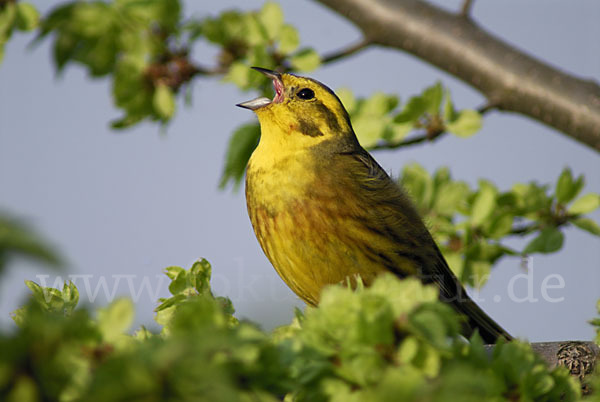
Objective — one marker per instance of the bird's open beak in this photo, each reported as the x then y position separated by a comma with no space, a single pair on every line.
262,101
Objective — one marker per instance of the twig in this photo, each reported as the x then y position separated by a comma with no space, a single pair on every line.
465,10
348,51
200,70
526,229
427,136
328,58
406,143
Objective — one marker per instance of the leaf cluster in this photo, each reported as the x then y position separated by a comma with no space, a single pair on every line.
256,38
21,16
380,121
472,225
136,43
392,341
145,46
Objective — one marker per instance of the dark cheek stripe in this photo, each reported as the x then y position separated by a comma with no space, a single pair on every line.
307,127
329,116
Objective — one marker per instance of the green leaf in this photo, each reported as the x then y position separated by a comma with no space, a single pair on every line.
369,130
564,186
432,96
449,114
413,109
70,296
500,226
28,17
467,123
53,300
254,32
548,241
480,270
179,283
371,121
306,60
239,74
585,204
449,196
163,101
115,319
456,262
588,225
419,185
289,40
65,47
173,271
215,30
348,99
8,14
484,204
241,145
200,274
259,56
91,21
17,240
530,198
271,17
396,132
38,293
378,104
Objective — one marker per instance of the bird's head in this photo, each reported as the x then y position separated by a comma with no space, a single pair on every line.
303,110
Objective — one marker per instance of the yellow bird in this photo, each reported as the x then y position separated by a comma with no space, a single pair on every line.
323,210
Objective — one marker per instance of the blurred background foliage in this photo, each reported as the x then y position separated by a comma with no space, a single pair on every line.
354,346
392,341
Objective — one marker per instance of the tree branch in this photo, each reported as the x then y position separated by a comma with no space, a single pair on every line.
508,77
350,50
580,358
406,143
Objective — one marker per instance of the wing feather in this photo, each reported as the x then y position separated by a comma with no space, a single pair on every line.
390,213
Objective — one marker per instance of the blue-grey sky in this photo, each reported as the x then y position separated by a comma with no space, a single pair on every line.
122,206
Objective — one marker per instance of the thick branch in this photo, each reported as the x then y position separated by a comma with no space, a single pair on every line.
509,78
580,358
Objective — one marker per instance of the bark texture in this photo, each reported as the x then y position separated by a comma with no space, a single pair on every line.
580,358
510,79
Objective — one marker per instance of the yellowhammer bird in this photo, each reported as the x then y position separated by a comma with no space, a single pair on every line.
323,210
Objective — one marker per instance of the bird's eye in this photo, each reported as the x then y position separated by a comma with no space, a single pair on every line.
306,93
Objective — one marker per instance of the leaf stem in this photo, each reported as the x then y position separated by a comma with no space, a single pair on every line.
345,52
465,10
429,135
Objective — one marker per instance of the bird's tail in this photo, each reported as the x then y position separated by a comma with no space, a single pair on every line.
477,319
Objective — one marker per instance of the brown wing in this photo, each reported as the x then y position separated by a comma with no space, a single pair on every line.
389,212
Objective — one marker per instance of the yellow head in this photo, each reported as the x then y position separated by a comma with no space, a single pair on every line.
302,114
